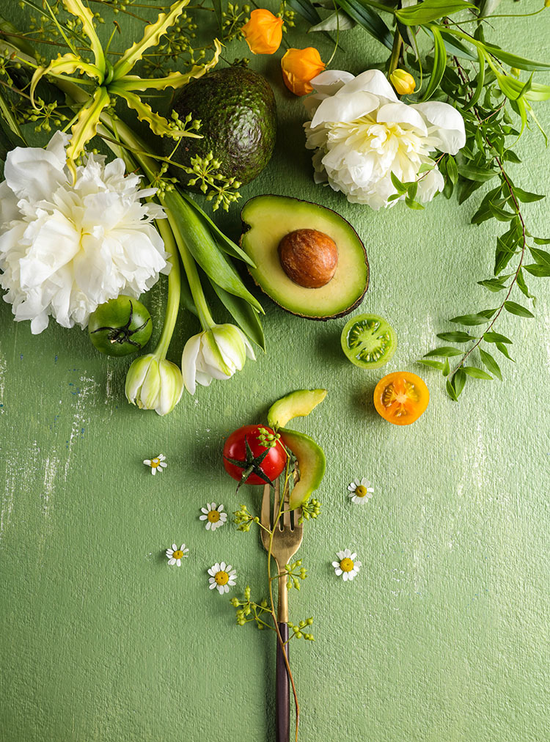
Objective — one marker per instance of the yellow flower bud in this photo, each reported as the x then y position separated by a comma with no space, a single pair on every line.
263,32
514,70
547,3
403,82
299,66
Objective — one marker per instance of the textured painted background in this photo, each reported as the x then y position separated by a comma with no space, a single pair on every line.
442,637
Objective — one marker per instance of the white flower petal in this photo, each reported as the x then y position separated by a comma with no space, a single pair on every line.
449,124
330,81
344,108
189,362
171,561
370,81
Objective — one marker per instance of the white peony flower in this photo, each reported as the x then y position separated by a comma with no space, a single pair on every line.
65,249
214,354
362,133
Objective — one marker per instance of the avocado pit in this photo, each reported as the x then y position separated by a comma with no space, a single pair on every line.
308,257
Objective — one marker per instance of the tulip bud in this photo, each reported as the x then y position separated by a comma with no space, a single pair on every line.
299,66
263,32
547,3
214,354
403,82
154,384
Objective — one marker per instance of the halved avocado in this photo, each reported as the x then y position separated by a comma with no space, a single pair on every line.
311,464
267,220
295,404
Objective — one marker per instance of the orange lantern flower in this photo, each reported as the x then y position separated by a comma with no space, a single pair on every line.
263,32
299,66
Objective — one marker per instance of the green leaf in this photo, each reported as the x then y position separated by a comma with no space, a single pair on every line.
243,314
504,350
511,156
496,337
540,271
520,280
514,60
541,256
541,240
452,169
430,10
468,187
439,64
491,364
501,214
456,337
446,370
337,21
525,196
397,184
484,212
514,308
451,389
217,5
366,17
306,10
459,380
194,233
471,319
479,174
444,352
480,81
433,364
476,373
495,284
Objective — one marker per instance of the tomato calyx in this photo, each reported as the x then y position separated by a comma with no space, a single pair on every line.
123,334
251,464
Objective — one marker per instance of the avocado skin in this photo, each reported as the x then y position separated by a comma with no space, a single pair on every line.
238,117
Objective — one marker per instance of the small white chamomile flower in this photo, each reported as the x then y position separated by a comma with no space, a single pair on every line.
214,516
360,491
175,555
156,464
222,577
347,566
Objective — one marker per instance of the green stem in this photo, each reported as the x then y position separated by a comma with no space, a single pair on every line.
174,289
201,305
395,52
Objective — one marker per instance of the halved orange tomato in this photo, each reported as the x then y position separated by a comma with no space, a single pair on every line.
401,397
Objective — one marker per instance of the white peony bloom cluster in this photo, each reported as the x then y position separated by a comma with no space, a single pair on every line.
362,133
64,248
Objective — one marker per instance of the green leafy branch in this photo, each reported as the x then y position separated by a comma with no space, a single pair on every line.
483,158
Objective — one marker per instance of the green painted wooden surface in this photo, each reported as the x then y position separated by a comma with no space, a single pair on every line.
443,636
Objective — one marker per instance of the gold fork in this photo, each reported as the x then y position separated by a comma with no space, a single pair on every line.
286,540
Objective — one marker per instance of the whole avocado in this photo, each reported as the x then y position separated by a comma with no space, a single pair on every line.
236,108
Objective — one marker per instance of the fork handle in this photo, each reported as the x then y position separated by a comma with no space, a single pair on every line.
283,690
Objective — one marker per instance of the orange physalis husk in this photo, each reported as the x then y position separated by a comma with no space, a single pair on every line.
263,32
299,66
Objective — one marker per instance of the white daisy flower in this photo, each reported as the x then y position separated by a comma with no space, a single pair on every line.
222,577
214,516
360,491
156,464
348,566
175,555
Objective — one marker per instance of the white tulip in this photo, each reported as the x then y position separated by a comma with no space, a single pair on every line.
216,353
154,384
362,133
64,248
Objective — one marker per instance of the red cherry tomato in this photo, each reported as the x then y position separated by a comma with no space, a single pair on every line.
261,461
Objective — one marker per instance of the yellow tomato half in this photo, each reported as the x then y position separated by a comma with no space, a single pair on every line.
401,397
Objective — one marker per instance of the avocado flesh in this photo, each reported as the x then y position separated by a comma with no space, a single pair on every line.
311,463
296,404
236,108
269,218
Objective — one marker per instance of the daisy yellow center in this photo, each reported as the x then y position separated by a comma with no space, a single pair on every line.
155,463
178,554
222,578
346,565
213,516
360,491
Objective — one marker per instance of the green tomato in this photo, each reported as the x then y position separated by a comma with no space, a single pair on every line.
368,341
120,326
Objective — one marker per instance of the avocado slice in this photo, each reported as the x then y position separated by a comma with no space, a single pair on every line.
237,111
267,220
295,404
311,465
